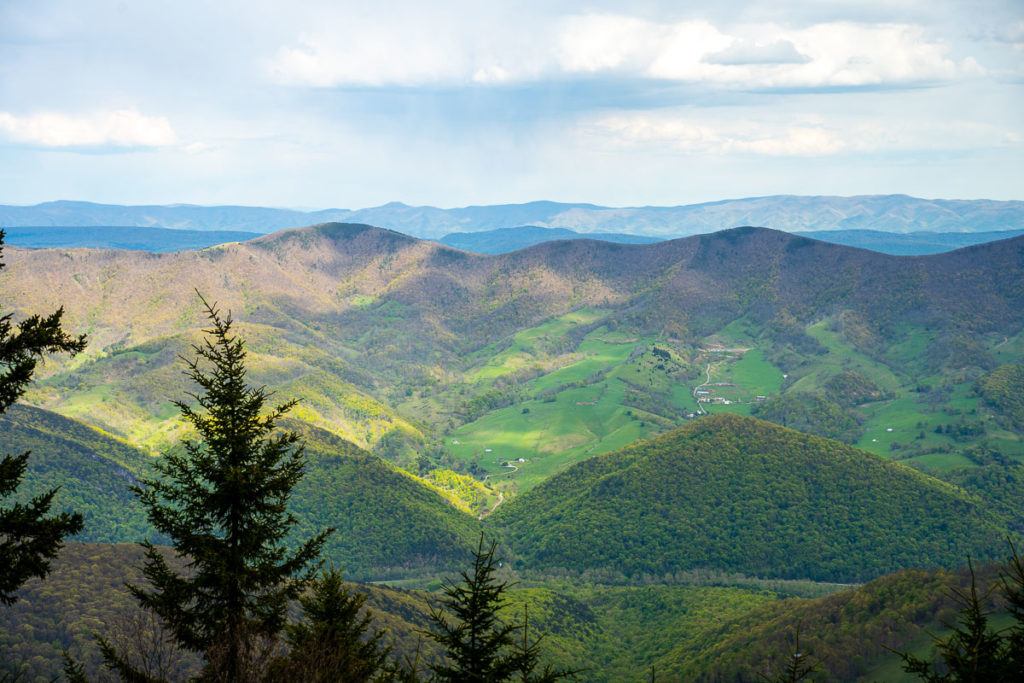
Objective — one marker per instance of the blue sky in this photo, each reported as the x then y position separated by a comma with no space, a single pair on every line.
353,104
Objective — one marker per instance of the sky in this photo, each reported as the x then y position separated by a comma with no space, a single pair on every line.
353,104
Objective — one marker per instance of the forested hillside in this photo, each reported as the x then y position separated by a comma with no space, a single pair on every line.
742,495
438,359
587,400
389,522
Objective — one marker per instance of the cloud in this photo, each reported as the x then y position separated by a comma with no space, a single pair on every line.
751,52
697,52
705,137
122,128
810,137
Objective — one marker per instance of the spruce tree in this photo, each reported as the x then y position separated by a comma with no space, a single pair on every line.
479,647
798,667
29,536
972,653
334,641
223,503
1012,580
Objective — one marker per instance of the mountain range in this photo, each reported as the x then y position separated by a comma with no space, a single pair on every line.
889,213
616,415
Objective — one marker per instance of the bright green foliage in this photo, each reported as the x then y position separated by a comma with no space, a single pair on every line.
468,493
94,472
1004,389
223,503
739,494
528,651
391,524
29,536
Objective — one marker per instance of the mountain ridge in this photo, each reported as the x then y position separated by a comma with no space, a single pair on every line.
892,213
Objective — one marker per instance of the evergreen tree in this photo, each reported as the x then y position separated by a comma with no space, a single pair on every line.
799,665
971,653
334,641
480,648
1013,590
29,536
223,503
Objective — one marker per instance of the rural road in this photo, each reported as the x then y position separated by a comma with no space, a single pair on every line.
700,406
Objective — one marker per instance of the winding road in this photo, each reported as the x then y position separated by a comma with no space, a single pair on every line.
700,406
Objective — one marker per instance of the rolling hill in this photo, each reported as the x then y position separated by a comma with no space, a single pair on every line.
504,240
737,494
389,522
890,213
430,356
93,470
908,244
689,632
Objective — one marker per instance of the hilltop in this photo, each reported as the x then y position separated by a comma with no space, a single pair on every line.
504,240
737,494
891,213
430,356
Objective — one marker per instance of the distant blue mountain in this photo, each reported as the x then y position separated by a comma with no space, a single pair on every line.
888,213
504,240
119,237
909,244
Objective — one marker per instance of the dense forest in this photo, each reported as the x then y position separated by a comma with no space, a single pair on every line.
684,452
738,494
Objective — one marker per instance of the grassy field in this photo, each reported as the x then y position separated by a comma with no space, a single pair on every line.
528,346
581,408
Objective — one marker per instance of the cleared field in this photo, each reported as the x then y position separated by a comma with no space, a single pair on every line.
550,435
528,346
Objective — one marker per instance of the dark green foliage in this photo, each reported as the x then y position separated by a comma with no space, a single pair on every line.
743,495
849,388
999,486
810,413
29,536
335,639
1003,388
388,523
93,471
479,647
973,652
1013,591
798,665
223,503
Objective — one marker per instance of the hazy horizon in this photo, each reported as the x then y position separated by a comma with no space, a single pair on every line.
459,104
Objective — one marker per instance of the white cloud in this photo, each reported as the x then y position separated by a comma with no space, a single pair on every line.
752,52
124,128
809,137
751,56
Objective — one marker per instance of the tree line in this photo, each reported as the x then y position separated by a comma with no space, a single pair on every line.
222,501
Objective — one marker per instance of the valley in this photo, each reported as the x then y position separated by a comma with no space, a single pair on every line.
709,432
